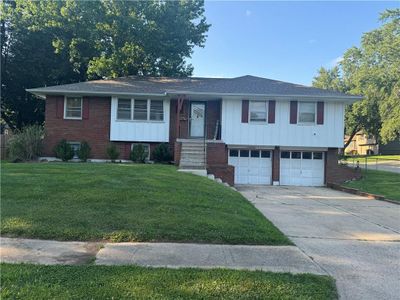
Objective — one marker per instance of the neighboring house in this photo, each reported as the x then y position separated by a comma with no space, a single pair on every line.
391,148
361,144
245,130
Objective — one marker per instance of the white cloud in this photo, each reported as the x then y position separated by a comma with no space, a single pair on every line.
248,12
334,62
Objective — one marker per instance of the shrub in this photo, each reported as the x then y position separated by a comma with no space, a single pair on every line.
26,144
84,151
161,153
112,152
139,153
64,151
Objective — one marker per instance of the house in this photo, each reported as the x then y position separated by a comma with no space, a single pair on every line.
245,130
391,148
361,144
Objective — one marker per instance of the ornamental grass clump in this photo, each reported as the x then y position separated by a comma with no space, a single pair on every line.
26,144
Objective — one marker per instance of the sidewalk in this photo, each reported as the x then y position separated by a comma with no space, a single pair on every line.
173,255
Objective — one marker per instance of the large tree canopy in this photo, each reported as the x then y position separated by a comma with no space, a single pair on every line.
372,70
54,42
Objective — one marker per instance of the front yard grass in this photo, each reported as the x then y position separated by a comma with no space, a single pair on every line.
130,282
126,202
362,158
378,182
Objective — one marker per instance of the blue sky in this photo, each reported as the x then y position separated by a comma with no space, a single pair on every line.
286,41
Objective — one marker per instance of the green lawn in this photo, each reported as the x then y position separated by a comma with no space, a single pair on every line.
130,282
379,182
126,202
373,157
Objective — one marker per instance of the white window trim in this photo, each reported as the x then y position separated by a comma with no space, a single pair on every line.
65,108
132,112
266,112
144,144
298,113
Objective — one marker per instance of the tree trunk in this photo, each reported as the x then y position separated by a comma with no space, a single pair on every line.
355,130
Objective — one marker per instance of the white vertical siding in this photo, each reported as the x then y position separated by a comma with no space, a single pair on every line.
282,133
146,131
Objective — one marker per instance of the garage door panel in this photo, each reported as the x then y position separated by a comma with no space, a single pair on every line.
302,170
253,169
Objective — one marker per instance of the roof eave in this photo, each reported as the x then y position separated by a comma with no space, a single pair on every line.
43,92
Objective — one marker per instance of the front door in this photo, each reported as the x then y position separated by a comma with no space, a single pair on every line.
197,118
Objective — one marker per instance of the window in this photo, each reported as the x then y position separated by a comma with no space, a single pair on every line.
140,110
265,154
73,108
233,153
285,154
307,155
75,146
317,155
255,153
258,111
296,155
124,109
146,147
307,112
156,110
244,153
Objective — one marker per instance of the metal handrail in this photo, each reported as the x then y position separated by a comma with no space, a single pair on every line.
216,130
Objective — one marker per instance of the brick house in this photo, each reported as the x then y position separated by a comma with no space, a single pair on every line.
245,130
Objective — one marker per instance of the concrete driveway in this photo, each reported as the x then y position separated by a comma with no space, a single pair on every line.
354,239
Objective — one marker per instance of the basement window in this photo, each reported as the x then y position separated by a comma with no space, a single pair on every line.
146,149
75,146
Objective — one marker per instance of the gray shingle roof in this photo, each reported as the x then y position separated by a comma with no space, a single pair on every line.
244,85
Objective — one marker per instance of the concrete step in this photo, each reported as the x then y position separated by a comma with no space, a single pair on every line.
193,155
192,149
192,163
193,152
191,167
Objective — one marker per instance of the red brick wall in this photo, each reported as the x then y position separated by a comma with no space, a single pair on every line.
177,152
217,162
125,149
276,164
217,154
213,115
95,130
335,173
225,172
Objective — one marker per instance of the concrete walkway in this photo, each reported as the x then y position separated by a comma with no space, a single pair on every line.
354,239
15,250
173,255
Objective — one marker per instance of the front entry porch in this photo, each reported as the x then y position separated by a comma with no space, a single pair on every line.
196,137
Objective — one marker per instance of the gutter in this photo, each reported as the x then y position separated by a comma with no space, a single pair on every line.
42,93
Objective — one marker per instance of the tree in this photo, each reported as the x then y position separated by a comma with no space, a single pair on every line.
372,70
56,42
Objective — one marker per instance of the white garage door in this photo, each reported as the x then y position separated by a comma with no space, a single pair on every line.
302,168
251,166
